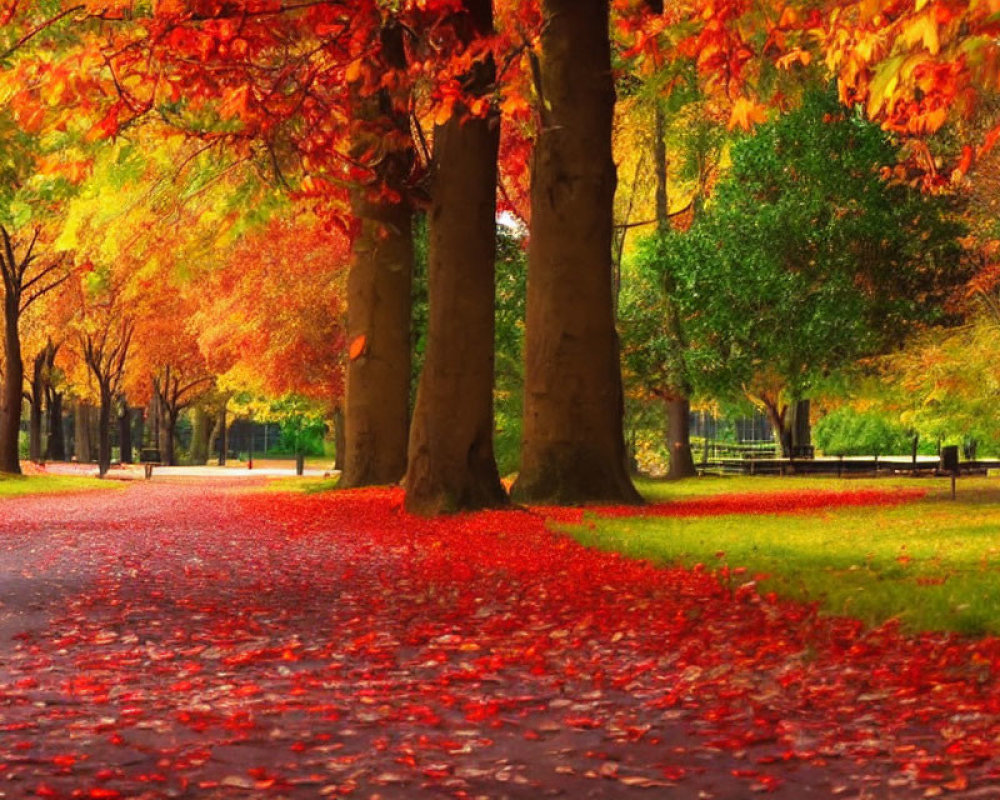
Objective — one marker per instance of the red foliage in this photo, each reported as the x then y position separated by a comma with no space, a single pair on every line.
334,645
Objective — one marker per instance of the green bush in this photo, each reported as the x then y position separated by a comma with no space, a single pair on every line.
848,432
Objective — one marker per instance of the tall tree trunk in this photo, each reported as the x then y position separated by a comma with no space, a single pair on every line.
55,446
36,414
155,416
124,431
11,394
574,449
451,463
104,432
376,408
82,441
200,435
338,437
679,404
223,435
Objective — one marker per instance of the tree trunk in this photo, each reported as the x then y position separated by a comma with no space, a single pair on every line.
799,427
55,447
223,435
338,437
140,428
451,464
11,394
778,417
82,442
200,435
155,416
679,438
376,408
104,432
37,410
125,431
574,449
679,404
168,426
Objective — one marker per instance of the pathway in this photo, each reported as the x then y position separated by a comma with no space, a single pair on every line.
175,640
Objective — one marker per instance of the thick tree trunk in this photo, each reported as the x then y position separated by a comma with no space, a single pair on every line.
55,446
83,448
799,427
11,394
679,438
200,435
36,415
125,431
451,463
574,450
104,432
376,408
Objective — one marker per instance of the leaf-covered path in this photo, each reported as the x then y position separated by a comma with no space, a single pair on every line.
174,640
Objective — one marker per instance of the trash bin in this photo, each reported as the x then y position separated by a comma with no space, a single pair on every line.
949,459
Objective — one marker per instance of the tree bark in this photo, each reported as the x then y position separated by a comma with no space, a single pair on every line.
223,435
451,463
11,394
799,426
125,431
82,442
200,435
36,415
679,438
338,437
104,431
574,449
55,446
376,408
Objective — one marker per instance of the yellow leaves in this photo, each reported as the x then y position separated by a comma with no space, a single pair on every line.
924,30
746,113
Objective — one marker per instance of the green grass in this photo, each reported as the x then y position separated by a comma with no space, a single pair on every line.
933,563
16,485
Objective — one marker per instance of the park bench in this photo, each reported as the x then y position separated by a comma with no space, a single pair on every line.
149,457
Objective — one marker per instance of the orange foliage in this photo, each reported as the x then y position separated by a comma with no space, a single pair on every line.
273,314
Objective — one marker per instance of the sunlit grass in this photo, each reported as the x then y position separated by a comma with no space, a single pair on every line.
16,485
933,563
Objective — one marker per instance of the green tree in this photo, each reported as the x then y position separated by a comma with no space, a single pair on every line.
807,258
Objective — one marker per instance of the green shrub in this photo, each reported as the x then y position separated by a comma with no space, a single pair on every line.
849,432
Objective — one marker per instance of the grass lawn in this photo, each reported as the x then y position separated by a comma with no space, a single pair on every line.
932,563
14,485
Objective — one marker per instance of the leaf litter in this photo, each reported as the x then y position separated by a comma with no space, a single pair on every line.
205,643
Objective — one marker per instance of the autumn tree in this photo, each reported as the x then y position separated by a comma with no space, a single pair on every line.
451,460
573,444
29,273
